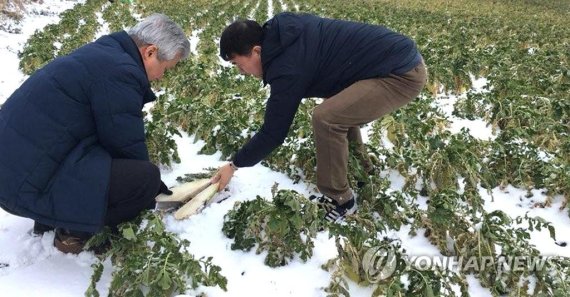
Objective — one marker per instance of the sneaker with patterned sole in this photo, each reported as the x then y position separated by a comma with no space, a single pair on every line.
333,211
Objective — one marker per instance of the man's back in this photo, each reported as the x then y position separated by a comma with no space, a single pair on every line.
332,54
54,125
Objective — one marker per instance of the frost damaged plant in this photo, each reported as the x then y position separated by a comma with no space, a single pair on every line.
424,151
390,209
457,232
353,239
512,160
118,16
222,112
150,261
447,217
76,27
296,157
495,243
284,227
160,131
381,263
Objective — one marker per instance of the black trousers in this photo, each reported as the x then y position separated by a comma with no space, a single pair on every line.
133,187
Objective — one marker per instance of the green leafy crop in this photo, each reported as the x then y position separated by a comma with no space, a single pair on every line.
284,227
150,261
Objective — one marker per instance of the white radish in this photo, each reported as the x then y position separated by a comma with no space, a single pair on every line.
184,192
197,203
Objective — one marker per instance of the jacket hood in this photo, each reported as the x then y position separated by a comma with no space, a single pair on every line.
279,33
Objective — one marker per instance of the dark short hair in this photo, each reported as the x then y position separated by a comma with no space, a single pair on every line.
239,37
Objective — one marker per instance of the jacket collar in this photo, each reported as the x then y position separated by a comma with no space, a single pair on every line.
279,33
130,47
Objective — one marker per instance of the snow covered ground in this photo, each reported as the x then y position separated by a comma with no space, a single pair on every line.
31,266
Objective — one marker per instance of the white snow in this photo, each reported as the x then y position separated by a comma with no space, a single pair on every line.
284,6
194,39
252,13
269,9
104,29
478,128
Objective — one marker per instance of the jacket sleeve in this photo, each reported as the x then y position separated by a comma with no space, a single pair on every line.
117,110
286,94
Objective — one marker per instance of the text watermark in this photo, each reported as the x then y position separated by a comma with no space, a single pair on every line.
381,262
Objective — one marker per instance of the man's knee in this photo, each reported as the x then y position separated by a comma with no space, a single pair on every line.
153,175
153,172
320,116
147,177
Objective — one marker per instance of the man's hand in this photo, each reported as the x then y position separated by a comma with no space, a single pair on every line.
164,189
223,176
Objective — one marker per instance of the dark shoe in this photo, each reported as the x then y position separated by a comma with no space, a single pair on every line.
333,211
67,242
40,229
362,183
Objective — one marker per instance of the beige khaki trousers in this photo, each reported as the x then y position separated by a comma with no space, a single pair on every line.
337,120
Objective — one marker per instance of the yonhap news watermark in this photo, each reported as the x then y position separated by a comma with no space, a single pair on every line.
380,263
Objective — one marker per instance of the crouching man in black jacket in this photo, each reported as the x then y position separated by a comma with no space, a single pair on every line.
364,72
72,142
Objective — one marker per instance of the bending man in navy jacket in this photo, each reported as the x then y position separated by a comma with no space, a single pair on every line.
363,71
72,142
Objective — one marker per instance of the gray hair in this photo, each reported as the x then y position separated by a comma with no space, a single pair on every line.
161,31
